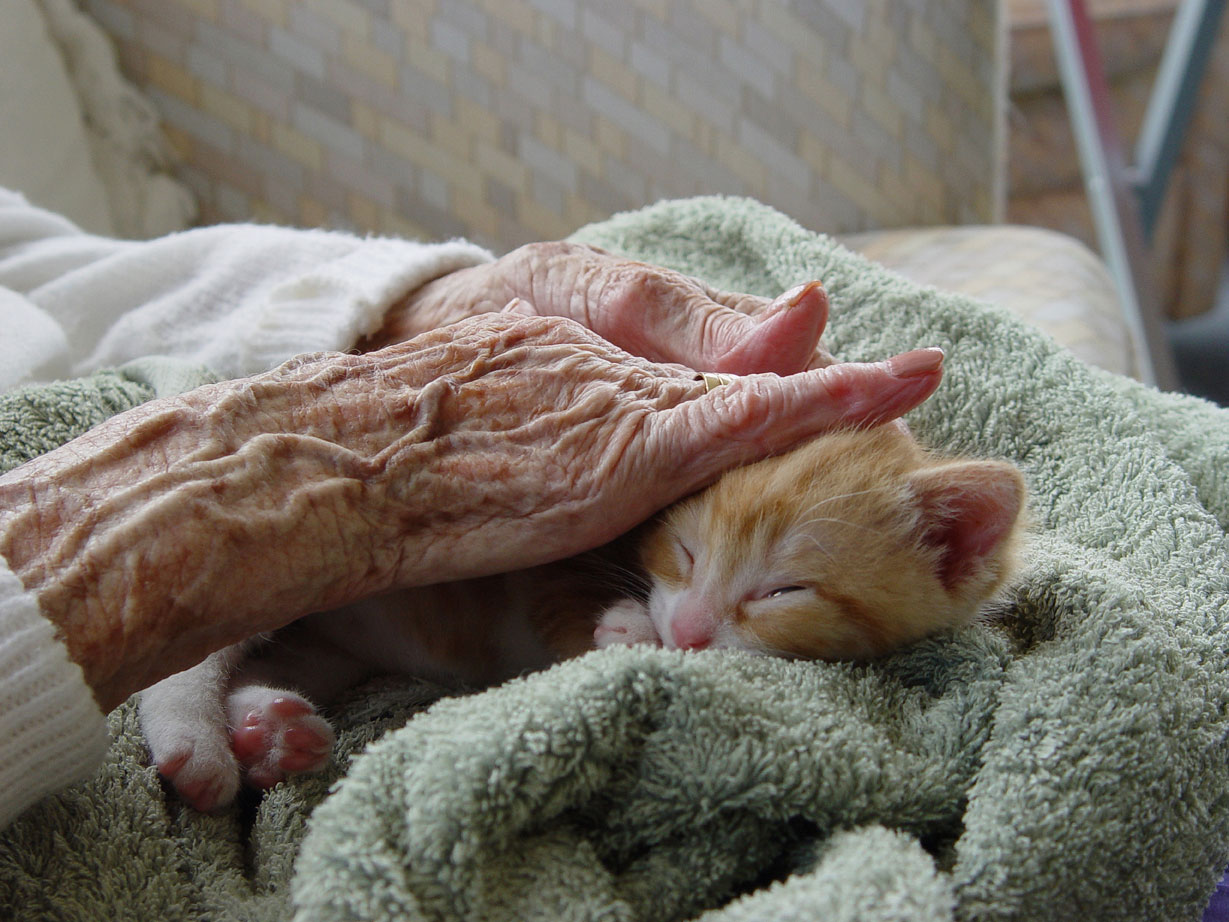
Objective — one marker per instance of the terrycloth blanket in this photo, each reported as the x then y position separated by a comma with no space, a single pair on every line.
1064,759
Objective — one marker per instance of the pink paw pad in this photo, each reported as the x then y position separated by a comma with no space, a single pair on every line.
279,737
605,635
624,623
202,782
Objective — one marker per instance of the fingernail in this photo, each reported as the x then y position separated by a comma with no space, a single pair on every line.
784,302
791,298
916,363
516,306
797,294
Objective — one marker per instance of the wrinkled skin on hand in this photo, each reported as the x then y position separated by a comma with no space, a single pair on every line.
649,311
502,441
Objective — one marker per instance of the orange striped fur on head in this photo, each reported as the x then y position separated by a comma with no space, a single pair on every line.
850,546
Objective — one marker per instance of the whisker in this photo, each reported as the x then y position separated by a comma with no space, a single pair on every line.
819,547
608,574
833,499
836,521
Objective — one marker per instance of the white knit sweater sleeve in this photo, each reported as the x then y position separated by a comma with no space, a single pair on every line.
239,299
51,731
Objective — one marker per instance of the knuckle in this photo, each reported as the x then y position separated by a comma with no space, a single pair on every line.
751,402
841,382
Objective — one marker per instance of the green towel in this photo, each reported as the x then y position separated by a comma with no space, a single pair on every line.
1065,759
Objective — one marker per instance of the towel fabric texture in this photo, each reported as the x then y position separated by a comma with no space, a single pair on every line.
1064,758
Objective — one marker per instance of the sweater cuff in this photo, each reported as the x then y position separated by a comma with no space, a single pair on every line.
333,305
52,733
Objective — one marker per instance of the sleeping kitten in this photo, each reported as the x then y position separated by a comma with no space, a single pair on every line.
851,546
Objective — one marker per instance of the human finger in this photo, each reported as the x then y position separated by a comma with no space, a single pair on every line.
665,316
689,327
757,415
782,338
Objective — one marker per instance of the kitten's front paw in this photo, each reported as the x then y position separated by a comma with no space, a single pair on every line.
276,733
625,622
200,766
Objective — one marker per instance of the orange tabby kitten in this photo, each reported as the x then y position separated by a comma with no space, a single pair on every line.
848,547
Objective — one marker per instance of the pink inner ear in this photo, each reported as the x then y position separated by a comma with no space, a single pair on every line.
968,511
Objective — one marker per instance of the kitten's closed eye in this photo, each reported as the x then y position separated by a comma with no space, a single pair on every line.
686,558
784,590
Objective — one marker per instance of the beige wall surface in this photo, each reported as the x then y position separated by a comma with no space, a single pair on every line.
511,120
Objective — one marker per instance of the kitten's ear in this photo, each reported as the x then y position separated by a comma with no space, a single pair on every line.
969,510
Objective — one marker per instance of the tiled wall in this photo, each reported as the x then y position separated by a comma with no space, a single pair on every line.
511,120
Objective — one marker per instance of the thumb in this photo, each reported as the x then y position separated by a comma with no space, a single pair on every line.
712,331
780,338
759,415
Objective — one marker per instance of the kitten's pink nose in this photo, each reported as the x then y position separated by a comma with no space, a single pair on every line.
692,631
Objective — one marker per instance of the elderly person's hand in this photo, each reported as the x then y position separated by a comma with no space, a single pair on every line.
647,310
502,441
